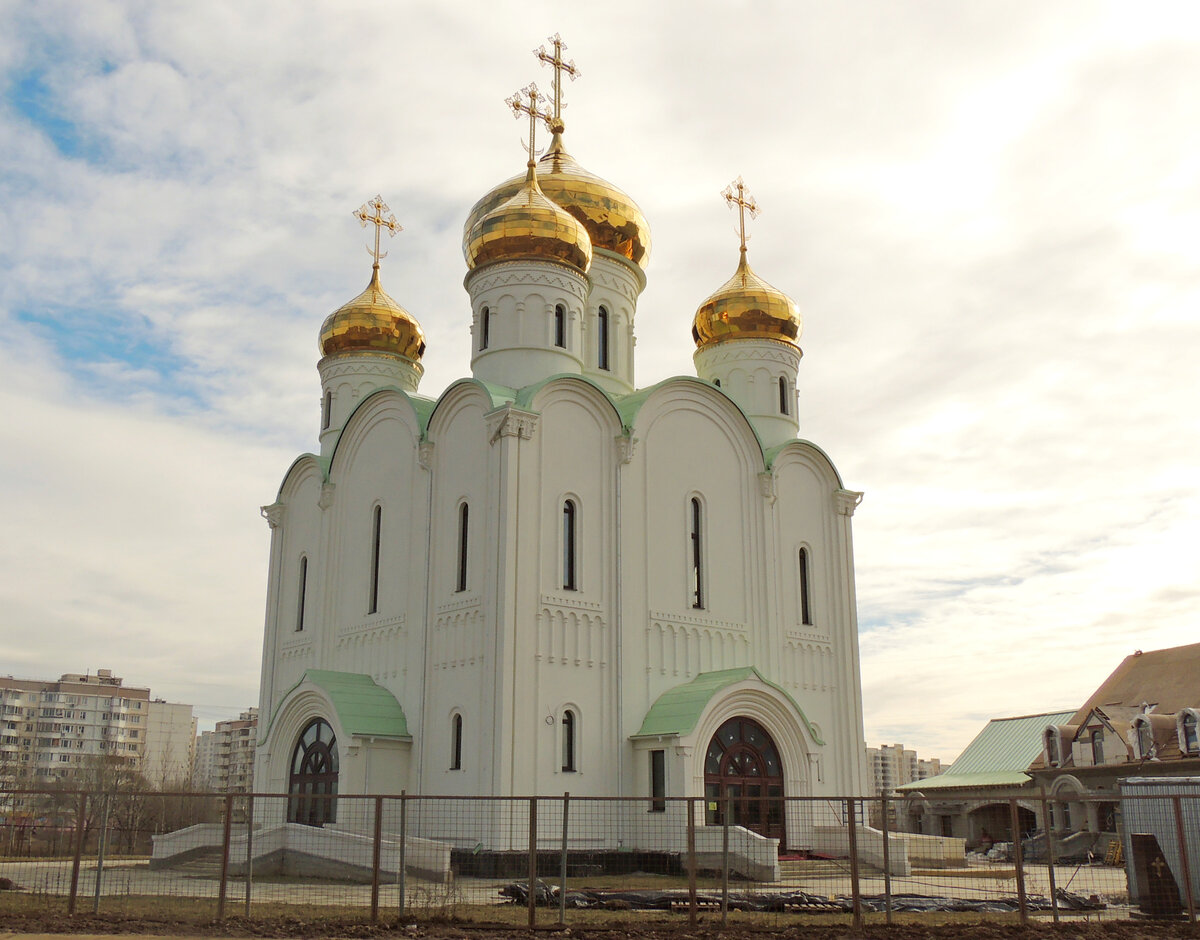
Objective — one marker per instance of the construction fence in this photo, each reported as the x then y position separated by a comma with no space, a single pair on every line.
563,859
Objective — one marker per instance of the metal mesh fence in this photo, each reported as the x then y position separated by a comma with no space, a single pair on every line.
729,856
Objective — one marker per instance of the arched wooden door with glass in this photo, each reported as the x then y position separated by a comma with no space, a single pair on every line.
743,766
313,782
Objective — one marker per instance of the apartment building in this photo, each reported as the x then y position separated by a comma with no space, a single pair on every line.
894,765
52,730
225,755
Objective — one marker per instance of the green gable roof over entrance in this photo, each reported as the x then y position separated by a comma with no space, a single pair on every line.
364,708
677,711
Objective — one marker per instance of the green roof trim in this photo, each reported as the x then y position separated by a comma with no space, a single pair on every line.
677,711
997,757
364,708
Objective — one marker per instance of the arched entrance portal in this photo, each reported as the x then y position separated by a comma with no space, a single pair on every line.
314,778
742,766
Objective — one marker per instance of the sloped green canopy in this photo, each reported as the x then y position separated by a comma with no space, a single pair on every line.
677,711
364,708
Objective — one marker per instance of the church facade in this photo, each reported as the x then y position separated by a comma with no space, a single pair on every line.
545,579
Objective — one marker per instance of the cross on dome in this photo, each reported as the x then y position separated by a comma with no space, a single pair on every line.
519,107
556,62
365,217
745,202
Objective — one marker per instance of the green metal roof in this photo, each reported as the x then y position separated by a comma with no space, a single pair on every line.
997,757
677,711
364,708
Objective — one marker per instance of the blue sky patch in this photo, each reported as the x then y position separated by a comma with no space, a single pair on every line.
35,100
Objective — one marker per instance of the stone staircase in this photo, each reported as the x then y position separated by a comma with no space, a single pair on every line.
804,869
205,865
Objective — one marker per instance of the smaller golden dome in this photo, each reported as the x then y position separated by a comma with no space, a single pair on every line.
528,226
747,307
372,322
613,220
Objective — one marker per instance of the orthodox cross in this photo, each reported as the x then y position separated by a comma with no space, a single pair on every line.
364,216
519,107
744,201
556,62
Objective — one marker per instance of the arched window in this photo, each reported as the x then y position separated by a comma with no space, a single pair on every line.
697,561
326,411
1052,757
456,736
783,396
463,514
1097,738
743,774
805,603
485,323
302,589
1145,739
314,776
560,326
373,598
568,741
717,383
569,545
1190,726
602,340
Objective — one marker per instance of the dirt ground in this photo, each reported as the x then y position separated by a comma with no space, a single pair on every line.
165,926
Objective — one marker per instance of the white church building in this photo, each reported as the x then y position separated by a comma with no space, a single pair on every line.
544,578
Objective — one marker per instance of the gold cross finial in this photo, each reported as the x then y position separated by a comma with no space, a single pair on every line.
555,61
736,194
530,107
364,215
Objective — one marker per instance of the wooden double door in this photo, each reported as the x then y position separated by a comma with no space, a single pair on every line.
743,776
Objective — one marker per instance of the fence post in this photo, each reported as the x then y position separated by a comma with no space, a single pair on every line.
562,866
852,832
532,862
225,857
400,875
375,850
1018,861
885,828
693,906
101,845
249,850
1050,855
80,835
1183,857
725,859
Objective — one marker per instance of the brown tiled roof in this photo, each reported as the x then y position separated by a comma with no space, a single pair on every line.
1168,679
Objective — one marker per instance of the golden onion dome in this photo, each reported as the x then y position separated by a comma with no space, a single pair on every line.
372,322
613,220
747,307
527,226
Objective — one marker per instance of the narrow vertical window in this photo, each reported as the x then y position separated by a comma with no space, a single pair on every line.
602,340
485,323
717,383
1052,747
1098,746
326,411
462,547
805,602
456,743
697,553
376,522
569,545
783,396
568,741
658,781
560,326
303,589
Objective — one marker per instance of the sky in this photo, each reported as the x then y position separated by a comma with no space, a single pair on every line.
988,213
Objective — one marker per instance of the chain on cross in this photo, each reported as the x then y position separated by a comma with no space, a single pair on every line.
736,194
555,61
364,215
532,107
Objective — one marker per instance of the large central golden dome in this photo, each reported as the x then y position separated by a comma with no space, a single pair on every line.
747,307
372,322
611,218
